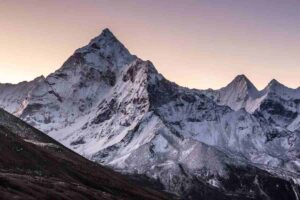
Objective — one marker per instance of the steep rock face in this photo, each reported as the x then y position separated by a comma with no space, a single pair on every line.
116,109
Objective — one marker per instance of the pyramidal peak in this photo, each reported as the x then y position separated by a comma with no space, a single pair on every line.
275,87
105,36
274,84
104,40
107,32
242,83
242,79
105,49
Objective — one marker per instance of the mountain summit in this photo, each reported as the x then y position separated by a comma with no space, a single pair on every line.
117,110
236,94
241,81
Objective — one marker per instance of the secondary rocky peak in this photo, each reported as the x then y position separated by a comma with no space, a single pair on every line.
243,80
241,77
274,84
241,84
235,94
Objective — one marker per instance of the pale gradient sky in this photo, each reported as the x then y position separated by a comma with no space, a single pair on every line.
195,43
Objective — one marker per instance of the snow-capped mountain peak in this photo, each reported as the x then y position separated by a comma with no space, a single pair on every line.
116,109
105,48
106,37
235,94
277,90
274,85
107,33
242,84
274,82
241,78
105,40
276,102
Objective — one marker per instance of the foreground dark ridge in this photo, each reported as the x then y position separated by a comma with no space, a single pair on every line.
34,166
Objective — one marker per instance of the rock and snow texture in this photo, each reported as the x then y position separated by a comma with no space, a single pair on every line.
238,94
13,95
278,104
116,109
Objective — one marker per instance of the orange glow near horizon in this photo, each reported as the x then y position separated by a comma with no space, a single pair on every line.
198,44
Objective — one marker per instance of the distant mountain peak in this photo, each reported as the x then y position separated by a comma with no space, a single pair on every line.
242,78
275,85
241,82
236,93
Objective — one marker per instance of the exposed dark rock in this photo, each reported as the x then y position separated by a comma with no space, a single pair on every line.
76,59
179,104
31,108
85,126
56,95
201,106
162,93
131,73
189,98
106,114
139,100
77,142
61,75
297,101
47,120
102,117
95,46
254,183
193,120
241,118
109,77
275,108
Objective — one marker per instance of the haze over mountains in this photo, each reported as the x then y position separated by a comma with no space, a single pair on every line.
116,109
